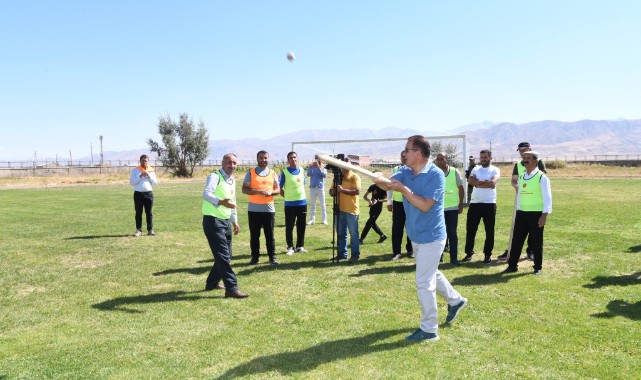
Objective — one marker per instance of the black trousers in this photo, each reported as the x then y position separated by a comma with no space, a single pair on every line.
398,224
374,213
526,225
476,212
264,221
451,223
295,215
144,200
218,233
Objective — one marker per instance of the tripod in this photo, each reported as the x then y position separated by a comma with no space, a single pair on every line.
338,178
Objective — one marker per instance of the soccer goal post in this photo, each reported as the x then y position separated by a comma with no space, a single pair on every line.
382,154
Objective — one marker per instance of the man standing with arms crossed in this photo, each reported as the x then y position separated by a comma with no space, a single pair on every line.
482,206
534,203
143,177
261,185
317,174
453,203
292,188
219,217
395,205
347,191
423,185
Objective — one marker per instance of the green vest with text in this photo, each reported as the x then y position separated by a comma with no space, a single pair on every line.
530,194
224,190
451,190
397,196
294,186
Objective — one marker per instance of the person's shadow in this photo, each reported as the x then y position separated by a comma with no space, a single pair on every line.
119,304
624,280
623,309
635,249
289,364
97,237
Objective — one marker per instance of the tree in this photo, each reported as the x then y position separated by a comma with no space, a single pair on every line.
183,147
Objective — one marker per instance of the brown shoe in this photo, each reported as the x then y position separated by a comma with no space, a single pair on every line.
235,294
215,286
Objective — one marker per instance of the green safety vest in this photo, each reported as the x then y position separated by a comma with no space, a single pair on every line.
224,190
451,190
530,195
397,196
294,186
520,168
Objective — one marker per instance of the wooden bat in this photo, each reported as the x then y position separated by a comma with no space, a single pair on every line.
346,165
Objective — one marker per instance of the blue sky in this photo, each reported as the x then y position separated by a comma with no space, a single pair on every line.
73,70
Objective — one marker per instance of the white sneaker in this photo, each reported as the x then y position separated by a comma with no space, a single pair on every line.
310,222
301,250
138,233
324,222
290,251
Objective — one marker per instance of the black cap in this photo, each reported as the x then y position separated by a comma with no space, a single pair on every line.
523,145
471,157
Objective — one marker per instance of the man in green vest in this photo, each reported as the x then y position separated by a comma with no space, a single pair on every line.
219,219
453,203
292,188
517,171
533,203
395,205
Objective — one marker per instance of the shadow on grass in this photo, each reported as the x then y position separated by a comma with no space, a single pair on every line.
96,237
486,279
625,280
293,364
623,309
119,304
194,271
296,265
635,249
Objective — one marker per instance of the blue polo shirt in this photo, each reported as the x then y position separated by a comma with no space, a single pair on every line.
424,227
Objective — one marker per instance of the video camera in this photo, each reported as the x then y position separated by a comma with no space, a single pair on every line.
335,169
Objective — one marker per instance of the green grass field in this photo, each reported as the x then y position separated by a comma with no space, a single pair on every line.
80,298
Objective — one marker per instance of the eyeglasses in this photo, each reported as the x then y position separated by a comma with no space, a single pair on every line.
409,150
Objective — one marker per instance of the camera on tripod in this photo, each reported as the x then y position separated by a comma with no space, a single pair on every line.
338,172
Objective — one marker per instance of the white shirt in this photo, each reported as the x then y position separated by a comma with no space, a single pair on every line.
480,195
210,189
142,184
546,191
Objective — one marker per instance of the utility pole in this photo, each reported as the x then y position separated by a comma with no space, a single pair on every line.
91,150
70,159
101,155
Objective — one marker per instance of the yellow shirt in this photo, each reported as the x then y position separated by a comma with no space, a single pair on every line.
349,203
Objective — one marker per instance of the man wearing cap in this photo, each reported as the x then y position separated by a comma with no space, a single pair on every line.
533,204
470,165
518,171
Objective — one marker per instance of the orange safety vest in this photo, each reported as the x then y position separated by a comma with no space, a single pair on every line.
149,168
261,183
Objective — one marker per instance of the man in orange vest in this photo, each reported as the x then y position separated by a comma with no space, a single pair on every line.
143,177
261,184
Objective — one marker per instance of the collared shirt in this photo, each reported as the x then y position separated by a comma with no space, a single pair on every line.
424,227
210,189
546,190
316,177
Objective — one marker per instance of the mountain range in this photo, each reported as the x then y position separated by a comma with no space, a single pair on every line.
551,138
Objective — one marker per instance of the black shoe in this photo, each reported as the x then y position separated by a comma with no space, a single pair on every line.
537,271
487,260
382,238
217,285
353,260
253,261
530,256
510,270
502,257
468,257
273,261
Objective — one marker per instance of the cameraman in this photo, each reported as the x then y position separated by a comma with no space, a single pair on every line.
348,191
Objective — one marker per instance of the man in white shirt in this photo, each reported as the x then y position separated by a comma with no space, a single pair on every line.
143,177
533,204
482,206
